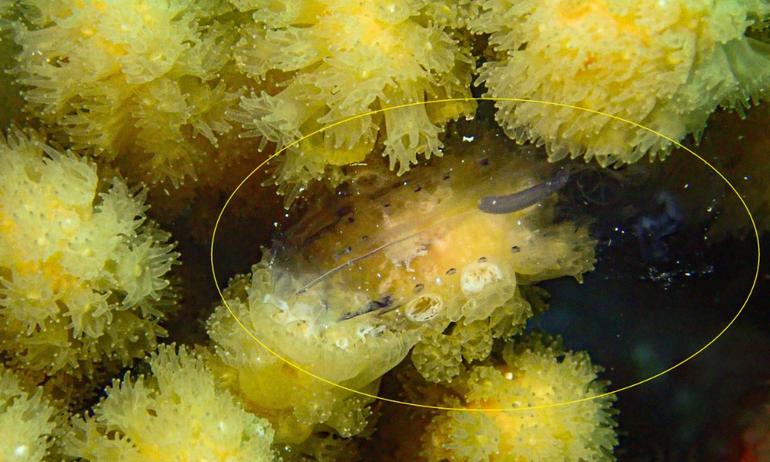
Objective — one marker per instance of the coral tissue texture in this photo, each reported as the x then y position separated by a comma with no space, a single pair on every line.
665,64
537,372
133,81
83,278
333,60
27,421
176,414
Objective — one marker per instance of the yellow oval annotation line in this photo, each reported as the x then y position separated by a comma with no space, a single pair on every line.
454,100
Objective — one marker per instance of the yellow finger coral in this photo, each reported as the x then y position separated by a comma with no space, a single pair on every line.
537,372
662,64
332,60
177,413
27,421
416,251
82,276
132,80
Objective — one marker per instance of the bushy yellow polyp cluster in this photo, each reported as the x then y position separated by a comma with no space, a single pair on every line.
162,87
27,421
134,81
177,413
82,274
664,64
536,372
337,59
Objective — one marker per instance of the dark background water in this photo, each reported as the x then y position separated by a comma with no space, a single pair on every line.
658,295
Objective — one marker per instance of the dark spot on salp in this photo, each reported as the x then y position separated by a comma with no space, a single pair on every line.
446,176
366,179
386,205
342,211
451,271
373,305
377,304
484,162
418,188
364,237
483,260
351,219
418,288
345,251
515,249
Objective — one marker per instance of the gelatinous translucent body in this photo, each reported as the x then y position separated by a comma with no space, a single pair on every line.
405,252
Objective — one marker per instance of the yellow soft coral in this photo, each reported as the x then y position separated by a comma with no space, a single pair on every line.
135,81
176,414
537,372
662,64
334,60
82,276
27,421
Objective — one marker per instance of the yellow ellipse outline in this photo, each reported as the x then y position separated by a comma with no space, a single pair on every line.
521,100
